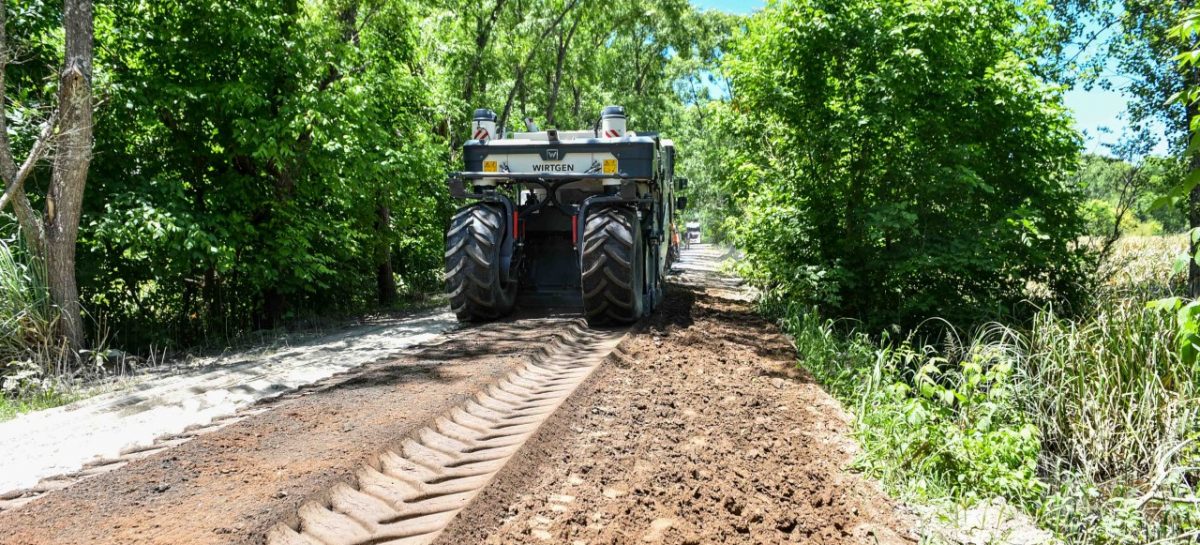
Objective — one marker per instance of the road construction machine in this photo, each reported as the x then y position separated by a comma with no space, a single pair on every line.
693,232
578,219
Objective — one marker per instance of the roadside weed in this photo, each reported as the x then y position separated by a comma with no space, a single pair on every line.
28,350
1089,422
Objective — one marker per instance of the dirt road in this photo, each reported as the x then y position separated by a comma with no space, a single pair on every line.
696,429
700,429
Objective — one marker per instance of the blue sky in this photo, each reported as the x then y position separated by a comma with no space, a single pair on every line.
1094,110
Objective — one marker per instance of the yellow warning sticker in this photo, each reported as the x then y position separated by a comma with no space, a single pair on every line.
610,166
491,166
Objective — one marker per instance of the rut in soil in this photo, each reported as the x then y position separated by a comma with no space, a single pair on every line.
409,495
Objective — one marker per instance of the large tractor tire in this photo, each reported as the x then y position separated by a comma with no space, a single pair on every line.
474,280
613,267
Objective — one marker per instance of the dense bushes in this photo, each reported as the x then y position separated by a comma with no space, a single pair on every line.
1088,424
934,421
244,159
901,163
900,160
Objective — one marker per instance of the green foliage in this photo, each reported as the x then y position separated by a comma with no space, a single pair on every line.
1115,186
932,423
1100,216
906,155
1185,36
1162,175
1087,424
628,52
242,161
710,151
26,317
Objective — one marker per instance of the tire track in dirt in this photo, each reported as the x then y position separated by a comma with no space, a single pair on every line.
700,428
233,484
408,495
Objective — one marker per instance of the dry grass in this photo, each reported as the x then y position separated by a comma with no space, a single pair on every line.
1141,267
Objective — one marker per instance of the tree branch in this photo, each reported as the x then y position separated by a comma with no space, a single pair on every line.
564,45
483,33
17,183
533,50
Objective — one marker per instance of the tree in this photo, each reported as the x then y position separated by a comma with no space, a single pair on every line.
261,161
901,160
1137,36
68,130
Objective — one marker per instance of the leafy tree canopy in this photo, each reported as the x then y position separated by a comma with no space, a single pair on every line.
902,160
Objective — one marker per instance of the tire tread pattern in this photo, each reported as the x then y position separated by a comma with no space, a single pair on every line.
608,262
473,280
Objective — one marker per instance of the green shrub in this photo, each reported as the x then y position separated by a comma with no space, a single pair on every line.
1087,424
26,317
856,164
929,425
1099,216
29,355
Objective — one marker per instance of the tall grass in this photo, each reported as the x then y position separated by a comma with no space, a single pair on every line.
27,318
1141,268
1110,392
1086,422
31,361
1117,410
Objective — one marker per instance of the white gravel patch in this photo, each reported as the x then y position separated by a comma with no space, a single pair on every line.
61,440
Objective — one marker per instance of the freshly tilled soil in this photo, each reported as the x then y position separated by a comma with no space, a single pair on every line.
700,429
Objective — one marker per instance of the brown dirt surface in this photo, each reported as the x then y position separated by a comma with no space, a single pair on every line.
232,485
700,429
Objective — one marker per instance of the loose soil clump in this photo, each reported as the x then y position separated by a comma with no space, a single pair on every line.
700,429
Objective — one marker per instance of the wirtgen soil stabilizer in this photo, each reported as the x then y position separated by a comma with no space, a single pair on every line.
577,219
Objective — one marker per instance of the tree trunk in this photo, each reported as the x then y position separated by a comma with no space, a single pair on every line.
385,280
273,304
564,45
73,154
519,80
483,33
14,176
577,105
512,95
1191,79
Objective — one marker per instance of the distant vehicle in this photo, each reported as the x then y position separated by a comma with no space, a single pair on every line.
693,232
